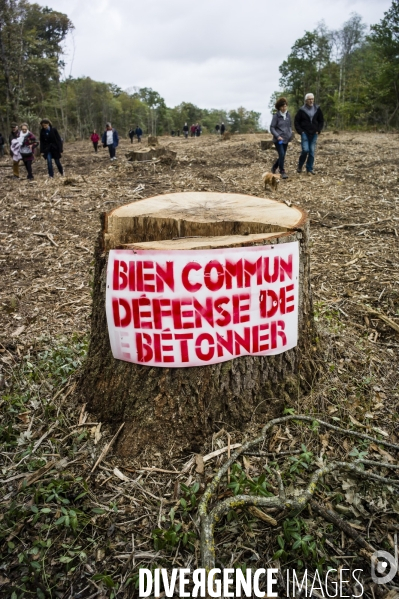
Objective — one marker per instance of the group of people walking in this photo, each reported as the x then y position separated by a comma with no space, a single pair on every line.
23,144
109,139
308,123
195,130
138,132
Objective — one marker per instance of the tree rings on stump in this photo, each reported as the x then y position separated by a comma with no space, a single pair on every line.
181,407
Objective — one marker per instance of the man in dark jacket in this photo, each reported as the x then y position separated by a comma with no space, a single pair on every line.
309,123
222,129
1,146
139,133
51,146
131,134
110,140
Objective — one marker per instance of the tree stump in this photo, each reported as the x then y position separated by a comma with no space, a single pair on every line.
266,145
181,407
226,136
153,153
152,140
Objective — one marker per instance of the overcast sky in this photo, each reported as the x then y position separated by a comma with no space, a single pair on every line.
213,53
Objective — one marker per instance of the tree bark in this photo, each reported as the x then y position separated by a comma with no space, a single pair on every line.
178,408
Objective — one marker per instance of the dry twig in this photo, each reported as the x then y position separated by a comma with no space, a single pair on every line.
107,448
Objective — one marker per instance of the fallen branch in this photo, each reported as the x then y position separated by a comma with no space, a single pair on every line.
209,519
218,452
82,247
158,470
330,516
47,236
350,225
107,448
382,317
46,434
272,454
262,516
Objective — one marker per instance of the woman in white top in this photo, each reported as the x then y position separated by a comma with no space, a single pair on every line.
110,140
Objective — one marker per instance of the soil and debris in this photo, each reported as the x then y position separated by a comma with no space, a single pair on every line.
75,520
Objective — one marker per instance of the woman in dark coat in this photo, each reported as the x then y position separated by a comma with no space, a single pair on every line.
51,146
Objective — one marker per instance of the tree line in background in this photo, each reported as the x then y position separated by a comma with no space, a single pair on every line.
31,86
354,74
88,104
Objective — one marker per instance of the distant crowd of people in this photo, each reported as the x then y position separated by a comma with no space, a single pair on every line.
195,130
25,147
308,123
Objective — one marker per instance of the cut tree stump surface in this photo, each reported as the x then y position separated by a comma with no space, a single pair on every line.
199,214
180,407
151,153
204,243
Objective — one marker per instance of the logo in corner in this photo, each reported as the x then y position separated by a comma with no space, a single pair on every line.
384,566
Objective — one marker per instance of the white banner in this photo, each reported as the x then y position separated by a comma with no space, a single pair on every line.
190,308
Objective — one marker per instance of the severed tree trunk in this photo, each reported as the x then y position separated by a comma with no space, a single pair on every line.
179,407
152,153
266,145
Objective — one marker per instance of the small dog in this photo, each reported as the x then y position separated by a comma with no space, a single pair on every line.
271,180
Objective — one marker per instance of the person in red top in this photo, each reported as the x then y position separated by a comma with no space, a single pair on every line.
193,129
95,138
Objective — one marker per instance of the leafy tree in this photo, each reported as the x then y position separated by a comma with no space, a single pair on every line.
301,72
30,49
31,87
354,77
385,37
156,105
244,121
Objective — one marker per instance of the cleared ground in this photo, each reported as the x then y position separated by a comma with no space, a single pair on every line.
47,234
